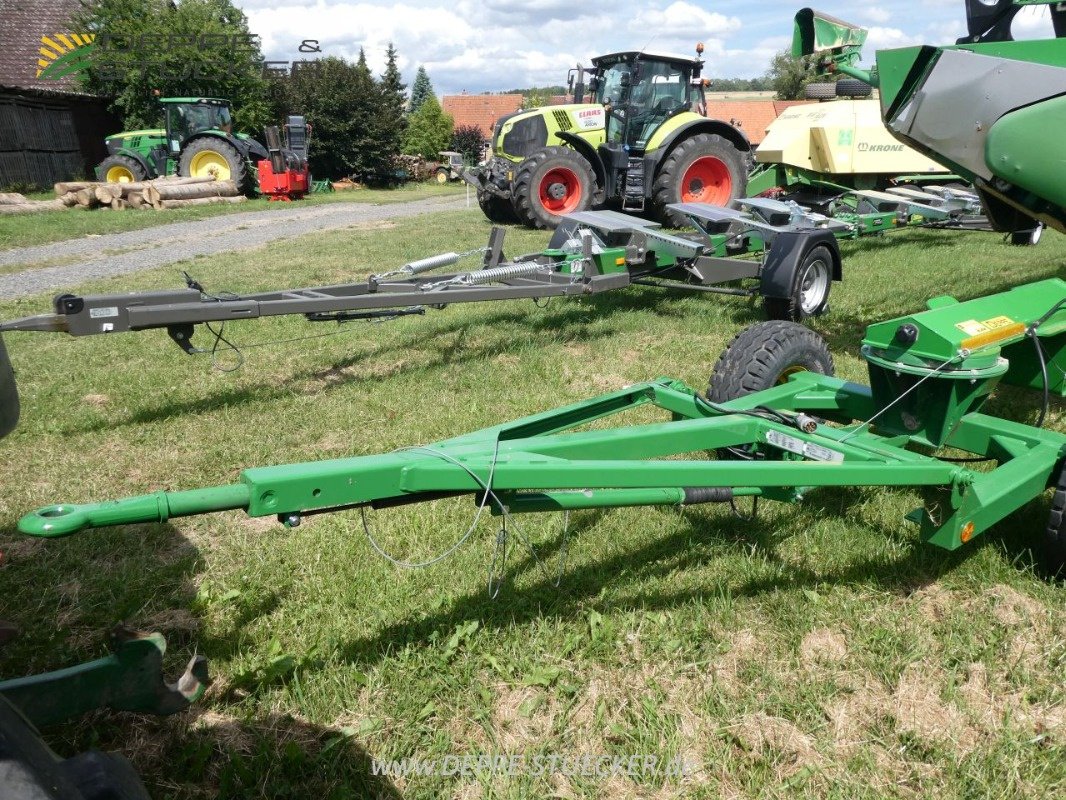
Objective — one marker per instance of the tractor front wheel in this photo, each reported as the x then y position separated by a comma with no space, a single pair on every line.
764,355
496,209
550,184
442,175
212,155
120,169
703,169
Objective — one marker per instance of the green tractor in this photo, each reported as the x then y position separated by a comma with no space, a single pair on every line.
642,142
198,141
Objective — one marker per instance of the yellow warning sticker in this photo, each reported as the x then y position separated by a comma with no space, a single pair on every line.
971,327
998,322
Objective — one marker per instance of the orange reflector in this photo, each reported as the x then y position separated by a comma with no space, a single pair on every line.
620,261
967,532
992,336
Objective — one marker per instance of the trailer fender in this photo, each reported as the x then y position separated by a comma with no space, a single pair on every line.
591,155
9,394
785,255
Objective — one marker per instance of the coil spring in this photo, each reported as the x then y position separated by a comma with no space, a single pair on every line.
430,263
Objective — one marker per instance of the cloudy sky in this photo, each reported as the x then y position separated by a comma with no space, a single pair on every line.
505,44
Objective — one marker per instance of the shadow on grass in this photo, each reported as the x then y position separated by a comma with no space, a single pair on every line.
567,322
701,540
202,753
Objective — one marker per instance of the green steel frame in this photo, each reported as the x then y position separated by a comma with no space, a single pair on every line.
930,373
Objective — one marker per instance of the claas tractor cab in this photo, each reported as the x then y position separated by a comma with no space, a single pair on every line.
641,142
197,141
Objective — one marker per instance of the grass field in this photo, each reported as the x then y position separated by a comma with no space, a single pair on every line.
819,651
23,230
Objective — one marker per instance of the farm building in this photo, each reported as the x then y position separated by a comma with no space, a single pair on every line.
49,130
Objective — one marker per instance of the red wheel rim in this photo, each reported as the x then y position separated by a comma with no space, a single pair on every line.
707,180
560,190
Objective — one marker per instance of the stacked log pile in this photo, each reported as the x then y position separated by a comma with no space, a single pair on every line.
156,194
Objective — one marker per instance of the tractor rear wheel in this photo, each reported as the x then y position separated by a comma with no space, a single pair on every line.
703,169
764,355
810,289
120,169
496,209
213,155
550,184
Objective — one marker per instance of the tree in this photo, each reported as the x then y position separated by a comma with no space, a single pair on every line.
470,141
421,89
393,99
428,131
788,75
196,47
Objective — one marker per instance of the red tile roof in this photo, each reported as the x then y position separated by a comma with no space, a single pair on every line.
22,24
481,110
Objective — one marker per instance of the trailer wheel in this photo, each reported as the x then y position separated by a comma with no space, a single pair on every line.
496,209
763,356
1055,535
550,184
703,169
1028,237
809,295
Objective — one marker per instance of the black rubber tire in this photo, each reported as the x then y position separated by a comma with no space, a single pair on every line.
762,354
819,259
852,87
667,187
820,91
496,209
134,166
442,173
1054,555
525,191
1027,238
238,169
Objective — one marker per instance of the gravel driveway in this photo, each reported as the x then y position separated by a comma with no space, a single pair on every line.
165,244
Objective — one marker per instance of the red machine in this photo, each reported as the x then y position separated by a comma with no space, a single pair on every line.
285,175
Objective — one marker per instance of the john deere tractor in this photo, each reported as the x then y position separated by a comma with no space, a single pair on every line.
198,140
642,142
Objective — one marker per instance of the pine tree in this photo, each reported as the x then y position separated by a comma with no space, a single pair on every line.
393,98
421,89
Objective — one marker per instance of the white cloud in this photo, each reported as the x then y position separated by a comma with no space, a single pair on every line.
876,14
488,45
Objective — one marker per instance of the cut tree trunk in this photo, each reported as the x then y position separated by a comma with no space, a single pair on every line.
104,194
159,192
12,198
69,199
74,186
30,206
201,201
86,197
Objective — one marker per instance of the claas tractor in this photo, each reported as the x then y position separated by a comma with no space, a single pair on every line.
642,142
197,140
